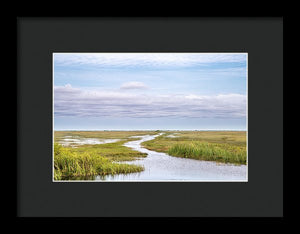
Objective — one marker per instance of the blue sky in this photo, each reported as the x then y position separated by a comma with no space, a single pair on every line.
136,91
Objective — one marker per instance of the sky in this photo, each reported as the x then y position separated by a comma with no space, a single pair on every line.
150,91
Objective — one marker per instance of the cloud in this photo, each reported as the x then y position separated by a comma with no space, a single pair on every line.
147,59
133,85
69,101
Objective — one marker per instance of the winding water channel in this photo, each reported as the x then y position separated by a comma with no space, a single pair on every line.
162,167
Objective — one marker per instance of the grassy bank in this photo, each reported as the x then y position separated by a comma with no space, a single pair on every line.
113,151
210,152
80,161
69,163
221,146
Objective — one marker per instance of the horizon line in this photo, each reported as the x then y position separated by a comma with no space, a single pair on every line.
151,130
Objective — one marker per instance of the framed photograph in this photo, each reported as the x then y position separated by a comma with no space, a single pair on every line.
185,111
150,117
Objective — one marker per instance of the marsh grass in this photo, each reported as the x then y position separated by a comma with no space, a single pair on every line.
210,151
114,151
86,161
69,163
221,146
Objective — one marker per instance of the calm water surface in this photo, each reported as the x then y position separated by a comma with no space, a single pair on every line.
162,167
73,141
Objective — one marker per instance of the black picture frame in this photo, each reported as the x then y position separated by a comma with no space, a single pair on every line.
260,37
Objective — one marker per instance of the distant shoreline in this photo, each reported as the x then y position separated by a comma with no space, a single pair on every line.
170,130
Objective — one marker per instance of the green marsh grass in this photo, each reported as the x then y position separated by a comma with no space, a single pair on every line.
221,146
210,152
85,161
114,151
69,163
